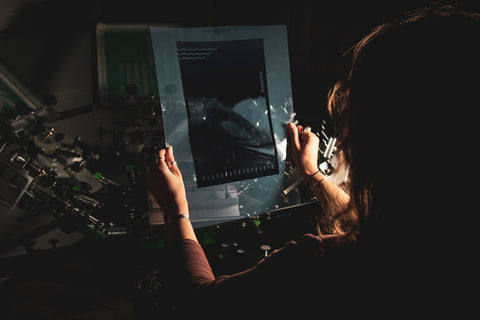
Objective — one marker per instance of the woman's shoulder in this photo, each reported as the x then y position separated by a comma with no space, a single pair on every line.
324,244
311,250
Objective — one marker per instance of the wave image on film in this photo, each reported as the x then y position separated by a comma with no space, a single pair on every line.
229,121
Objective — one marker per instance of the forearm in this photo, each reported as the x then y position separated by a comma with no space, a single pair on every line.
190,265
181,229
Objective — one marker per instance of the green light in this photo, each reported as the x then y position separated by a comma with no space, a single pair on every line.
129,167
98,176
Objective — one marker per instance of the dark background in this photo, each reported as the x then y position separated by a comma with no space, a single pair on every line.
49,46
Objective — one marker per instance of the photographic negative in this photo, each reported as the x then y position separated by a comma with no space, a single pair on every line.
229,120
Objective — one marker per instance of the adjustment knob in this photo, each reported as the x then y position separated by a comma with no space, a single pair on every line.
265,248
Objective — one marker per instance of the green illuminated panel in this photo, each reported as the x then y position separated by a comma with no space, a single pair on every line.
8,98
127,59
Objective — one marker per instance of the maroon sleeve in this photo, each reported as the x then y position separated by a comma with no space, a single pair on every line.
286,264
190,262
290,272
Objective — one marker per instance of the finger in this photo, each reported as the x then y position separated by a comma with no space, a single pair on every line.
305,134
160,159
309,137
295,137
170,160
169,155
301,131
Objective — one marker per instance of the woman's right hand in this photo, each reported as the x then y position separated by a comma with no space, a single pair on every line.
166,184
303,148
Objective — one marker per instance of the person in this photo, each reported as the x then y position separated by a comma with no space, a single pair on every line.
399,241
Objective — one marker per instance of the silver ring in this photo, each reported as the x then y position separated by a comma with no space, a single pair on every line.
307,129
157,160
173,162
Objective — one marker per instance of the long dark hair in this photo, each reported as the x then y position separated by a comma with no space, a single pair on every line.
412,84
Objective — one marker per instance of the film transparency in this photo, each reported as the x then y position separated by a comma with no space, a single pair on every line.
229,122
226,96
